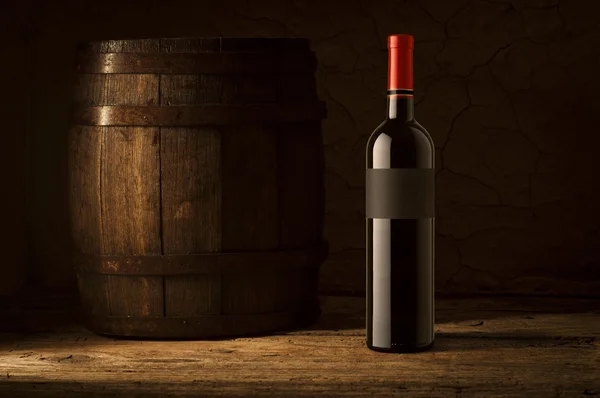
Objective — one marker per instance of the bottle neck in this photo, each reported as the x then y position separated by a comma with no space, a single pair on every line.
401,108
400,78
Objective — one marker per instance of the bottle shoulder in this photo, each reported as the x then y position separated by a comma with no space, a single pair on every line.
422,129
401,133
400,144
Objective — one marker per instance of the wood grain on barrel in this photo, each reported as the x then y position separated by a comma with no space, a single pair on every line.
200,63
190,45
139,296
193,295
191,190
181,155
130,185
191,215
117,89
203,115
257,292
249,188
190,89
94,293
122,46
249,89
84,167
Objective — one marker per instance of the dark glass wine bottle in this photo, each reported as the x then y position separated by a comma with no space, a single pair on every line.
400,218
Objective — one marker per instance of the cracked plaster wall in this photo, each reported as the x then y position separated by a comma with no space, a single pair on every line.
507,88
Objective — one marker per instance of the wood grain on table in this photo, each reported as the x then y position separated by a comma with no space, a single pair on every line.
485,347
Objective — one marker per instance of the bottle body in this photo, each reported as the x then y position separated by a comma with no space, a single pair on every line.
400,231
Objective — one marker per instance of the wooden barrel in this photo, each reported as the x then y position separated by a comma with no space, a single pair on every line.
196,186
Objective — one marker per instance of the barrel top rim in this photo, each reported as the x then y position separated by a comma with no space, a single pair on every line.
198,38
212,43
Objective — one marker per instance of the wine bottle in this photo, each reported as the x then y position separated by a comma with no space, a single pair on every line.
400,217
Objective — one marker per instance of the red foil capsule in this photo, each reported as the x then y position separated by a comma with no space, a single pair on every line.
400,62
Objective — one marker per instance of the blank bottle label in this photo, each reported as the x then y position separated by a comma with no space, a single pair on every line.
400,193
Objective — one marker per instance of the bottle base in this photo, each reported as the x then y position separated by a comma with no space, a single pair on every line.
402,348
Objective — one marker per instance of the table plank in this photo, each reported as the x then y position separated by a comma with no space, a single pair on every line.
484,347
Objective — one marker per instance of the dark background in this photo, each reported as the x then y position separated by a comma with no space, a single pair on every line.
508,90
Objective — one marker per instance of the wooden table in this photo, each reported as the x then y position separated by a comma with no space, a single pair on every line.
485,347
